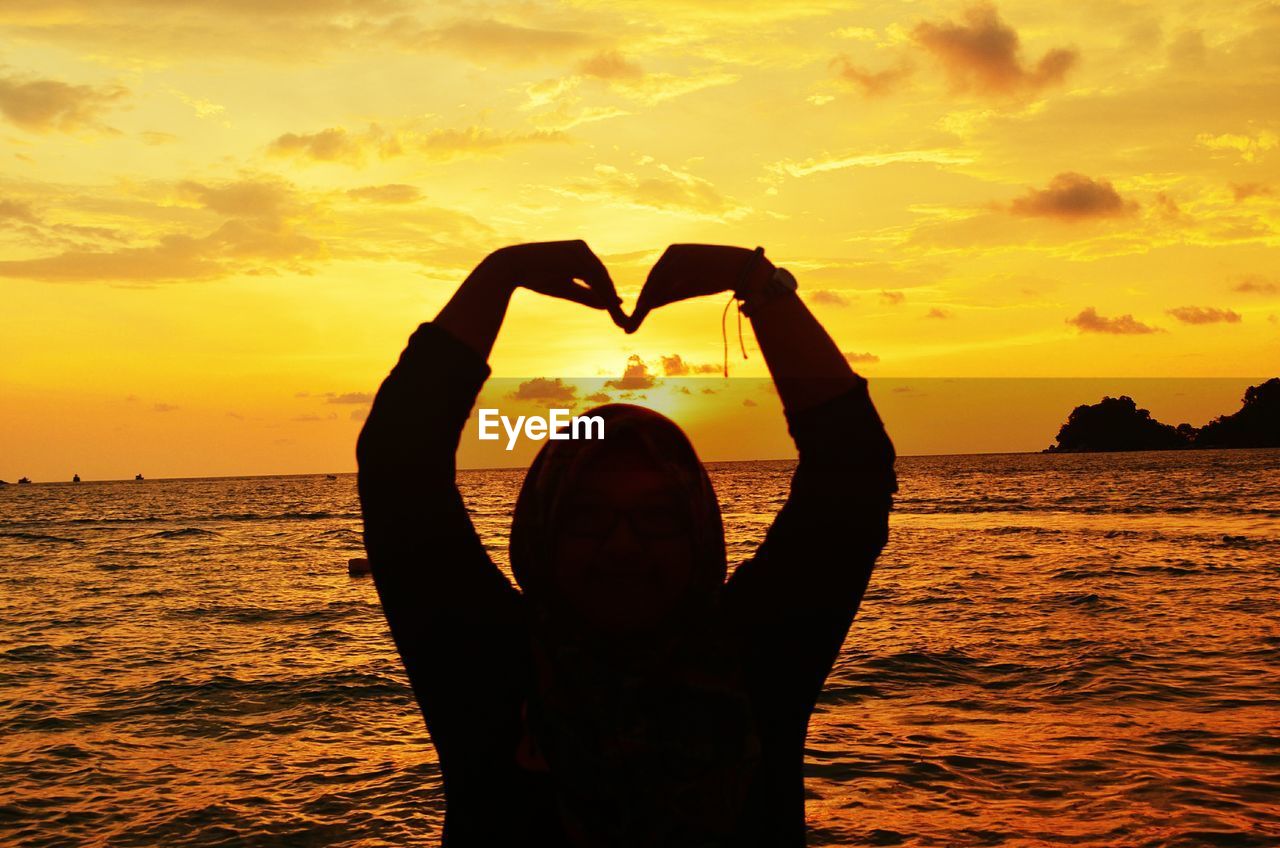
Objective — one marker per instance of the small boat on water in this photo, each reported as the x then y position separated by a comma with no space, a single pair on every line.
24,480
331,476
75,478
137,476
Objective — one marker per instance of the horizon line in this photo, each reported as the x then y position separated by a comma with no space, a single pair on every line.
705,462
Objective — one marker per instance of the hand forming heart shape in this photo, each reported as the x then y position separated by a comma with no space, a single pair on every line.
683,271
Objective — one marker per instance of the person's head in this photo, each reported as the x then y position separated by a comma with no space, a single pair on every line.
620,535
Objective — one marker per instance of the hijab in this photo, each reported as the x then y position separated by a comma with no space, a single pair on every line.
650,740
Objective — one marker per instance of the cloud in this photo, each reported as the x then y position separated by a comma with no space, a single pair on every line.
43,105
982,54
164,407
1255,284
597,397
1187,50
892,298
1168,207
749,402
872,83
337,144
1204,315
675,366
256,237
635,376
215,8
935,156
156,138
175,257
667,189
310,417
1249,147
563,102
308,32
857,358
1089,321
545,391
16,210
1243,191
249,198
610,65
388,193
492,39
828,297
937,313
349,397
1073,197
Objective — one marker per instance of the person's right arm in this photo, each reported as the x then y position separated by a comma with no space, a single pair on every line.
447,604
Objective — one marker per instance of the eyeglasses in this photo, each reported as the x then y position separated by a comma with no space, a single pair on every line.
597,521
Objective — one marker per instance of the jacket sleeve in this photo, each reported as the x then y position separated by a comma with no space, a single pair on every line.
798,594
449,608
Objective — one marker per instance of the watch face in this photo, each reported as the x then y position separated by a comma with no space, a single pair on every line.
782,275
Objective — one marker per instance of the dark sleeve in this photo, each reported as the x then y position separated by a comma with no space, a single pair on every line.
796,597
451,611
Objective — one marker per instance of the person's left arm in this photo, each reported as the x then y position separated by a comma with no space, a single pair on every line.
799,592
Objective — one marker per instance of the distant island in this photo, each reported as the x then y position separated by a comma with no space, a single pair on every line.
1117,424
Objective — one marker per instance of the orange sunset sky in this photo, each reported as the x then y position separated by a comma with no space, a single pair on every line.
220,220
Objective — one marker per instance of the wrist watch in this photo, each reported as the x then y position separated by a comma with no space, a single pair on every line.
779,281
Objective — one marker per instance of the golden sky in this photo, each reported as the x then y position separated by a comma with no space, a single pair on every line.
220,220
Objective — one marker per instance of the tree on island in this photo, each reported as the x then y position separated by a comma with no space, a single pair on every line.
1116,424
1255,425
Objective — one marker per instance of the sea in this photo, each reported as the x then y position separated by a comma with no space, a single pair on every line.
1054,650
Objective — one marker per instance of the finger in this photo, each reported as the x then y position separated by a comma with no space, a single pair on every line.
664,277
578,293
569,258
619,317
633,323
594,272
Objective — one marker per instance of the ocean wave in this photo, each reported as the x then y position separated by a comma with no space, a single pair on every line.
182,533
331,612
38,537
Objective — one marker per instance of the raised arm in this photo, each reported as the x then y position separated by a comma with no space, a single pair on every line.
818,555
447,604
800,591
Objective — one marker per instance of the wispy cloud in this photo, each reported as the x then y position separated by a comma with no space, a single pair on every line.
1204,315
803,168
47,105
871,83
387,193
827,297
1089,321
545,391
676,366
337,144
1255,284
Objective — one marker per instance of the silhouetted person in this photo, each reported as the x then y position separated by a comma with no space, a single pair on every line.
626,694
